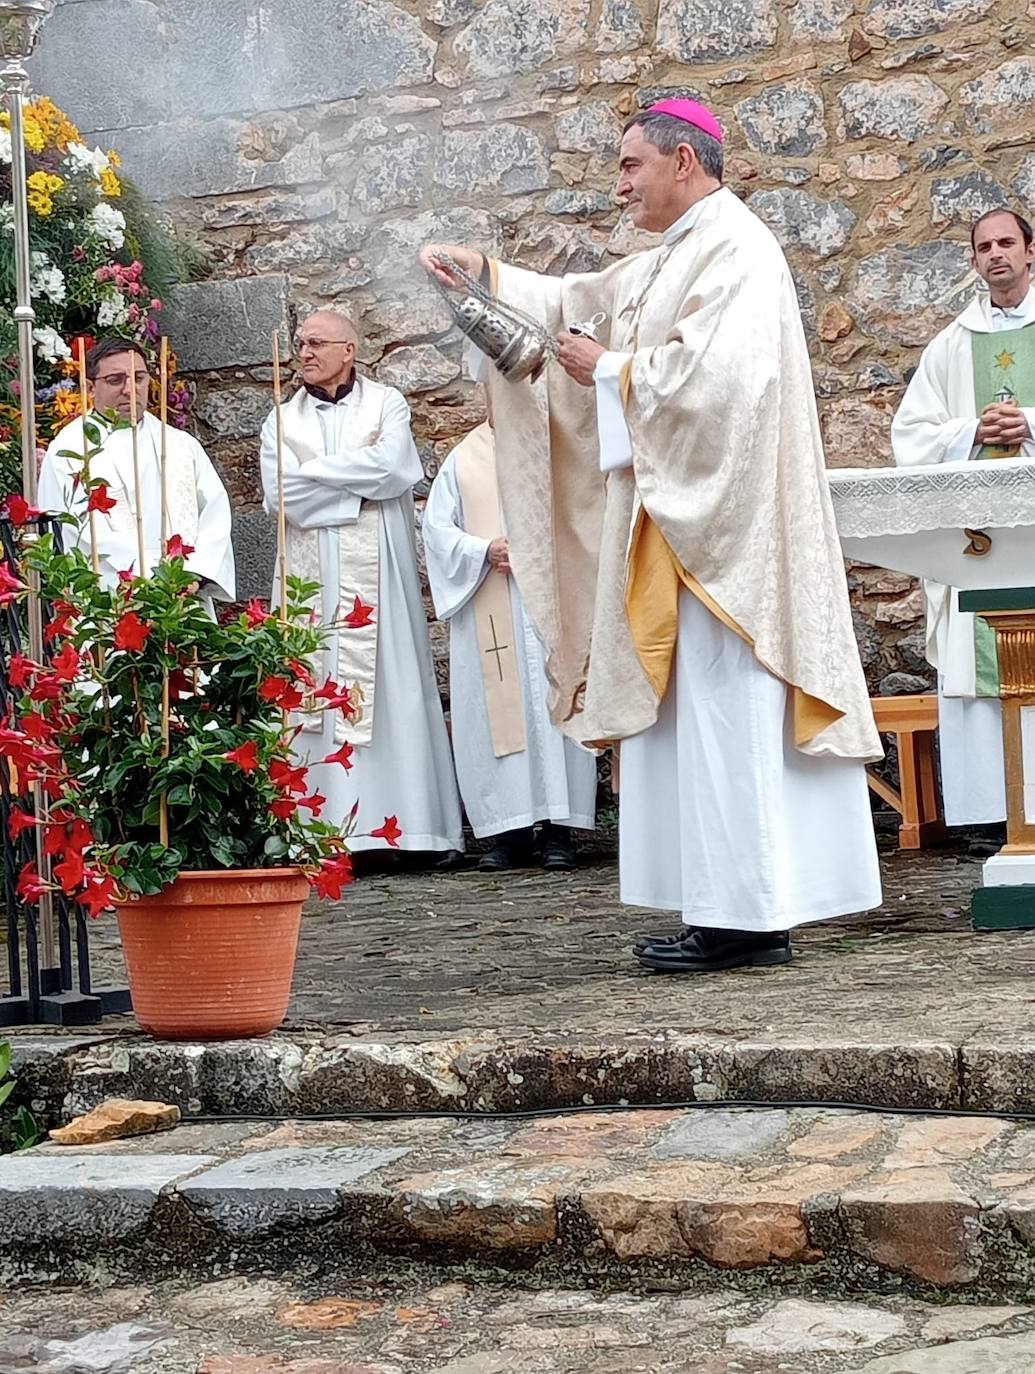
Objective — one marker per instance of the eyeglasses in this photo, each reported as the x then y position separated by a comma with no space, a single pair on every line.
299,343
121,378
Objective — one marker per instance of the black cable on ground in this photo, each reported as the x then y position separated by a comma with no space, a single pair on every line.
532,1113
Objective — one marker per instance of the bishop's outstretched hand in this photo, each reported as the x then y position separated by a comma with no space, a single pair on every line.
469,259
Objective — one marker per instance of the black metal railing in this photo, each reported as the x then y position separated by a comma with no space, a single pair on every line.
48,951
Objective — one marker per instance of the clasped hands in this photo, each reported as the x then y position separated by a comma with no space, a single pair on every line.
1002,424
498,554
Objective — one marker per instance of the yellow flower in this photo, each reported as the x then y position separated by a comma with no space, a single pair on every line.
35,135
50,124
5,119
114,158
110,184
42,187
67,405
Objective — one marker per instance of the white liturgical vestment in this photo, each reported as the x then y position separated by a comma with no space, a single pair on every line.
552,778
199,508
936,423
331,484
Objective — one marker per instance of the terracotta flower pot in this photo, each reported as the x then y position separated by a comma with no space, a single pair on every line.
212,957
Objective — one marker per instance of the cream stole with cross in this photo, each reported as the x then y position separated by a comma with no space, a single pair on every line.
358,556
475,463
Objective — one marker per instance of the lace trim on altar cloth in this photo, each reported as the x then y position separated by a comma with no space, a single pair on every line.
871,502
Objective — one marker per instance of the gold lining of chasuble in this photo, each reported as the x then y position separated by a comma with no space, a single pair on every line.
653,579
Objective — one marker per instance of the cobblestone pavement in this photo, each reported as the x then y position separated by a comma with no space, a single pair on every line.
434,954
284,1326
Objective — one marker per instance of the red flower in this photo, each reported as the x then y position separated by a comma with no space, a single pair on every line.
99,500
333,875
342,756
287,778
10,587
47,687
66,664
20,670
255,613
388,832
69,872
19,821
36,728
180,684
246,756
18,510
99,893
176,548
273,688
360,615
284,808
130,631
82,343
61,624
302,673
334,696
30,885
315,803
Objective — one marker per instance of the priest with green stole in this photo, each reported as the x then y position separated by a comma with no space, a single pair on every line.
672,537
972,398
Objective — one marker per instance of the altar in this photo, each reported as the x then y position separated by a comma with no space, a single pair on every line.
970,526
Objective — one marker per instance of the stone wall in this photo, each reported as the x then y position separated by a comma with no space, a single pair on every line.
312,145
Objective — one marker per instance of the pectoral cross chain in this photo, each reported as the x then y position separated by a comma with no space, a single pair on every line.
497,648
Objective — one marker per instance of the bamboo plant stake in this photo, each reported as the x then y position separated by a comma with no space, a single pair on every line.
163,412
141,569
84,402
281,517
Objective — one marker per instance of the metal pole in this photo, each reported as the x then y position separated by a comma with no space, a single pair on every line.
20,25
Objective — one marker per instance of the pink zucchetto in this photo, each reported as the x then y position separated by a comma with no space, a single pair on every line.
690,112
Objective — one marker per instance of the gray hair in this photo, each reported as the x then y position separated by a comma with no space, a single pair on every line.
667,133
335,313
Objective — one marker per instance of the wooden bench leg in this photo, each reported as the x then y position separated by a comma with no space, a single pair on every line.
921,812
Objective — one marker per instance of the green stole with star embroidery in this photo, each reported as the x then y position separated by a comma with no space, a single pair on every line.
1003,362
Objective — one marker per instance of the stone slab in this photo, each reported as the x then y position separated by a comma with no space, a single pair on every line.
216,324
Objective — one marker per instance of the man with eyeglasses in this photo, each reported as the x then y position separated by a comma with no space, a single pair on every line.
199,508
349,468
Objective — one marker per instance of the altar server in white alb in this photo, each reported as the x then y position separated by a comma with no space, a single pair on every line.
349,469
671,531
972,397
515,768
198,506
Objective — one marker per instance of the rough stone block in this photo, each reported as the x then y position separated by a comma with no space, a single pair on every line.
907,294
335,49
514,36
1003,1354
69,1198
417,367
874,166
857,432
619,27
213,63
255,552
78,63
212,158
892,1074
714,1134
591,128
392,176
250,1195
116,1119
960,200
916,1222
796,1327
999,1077
1002,97
506,1207
822,19
217,324
786,118
580,204
912,18
800,220
712,30
903,107
504,158
234,412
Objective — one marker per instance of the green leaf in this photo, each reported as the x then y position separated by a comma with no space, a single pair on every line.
6,1089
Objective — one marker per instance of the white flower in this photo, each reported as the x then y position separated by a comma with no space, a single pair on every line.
114,309
79,158
6,218
106,223
50,345
5,146
47,280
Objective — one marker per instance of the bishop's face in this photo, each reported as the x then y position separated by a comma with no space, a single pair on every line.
647,182
1001,257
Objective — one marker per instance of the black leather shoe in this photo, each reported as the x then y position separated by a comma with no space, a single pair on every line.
511,850
556,854
450,860
661,941
706,950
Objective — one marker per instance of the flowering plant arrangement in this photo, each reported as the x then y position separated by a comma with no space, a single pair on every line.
148,716
99,266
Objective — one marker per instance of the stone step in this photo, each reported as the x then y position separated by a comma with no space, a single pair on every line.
840,1201
313,1073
